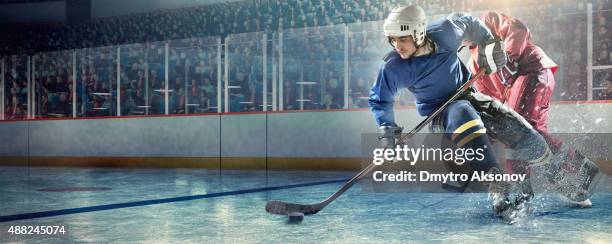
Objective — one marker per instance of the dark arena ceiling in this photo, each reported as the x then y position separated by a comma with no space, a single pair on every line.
27,1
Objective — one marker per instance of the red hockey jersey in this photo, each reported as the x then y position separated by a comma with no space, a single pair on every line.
529,57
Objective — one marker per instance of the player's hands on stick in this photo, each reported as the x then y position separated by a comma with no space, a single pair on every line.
492,55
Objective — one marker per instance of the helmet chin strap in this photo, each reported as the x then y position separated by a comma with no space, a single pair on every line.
426,48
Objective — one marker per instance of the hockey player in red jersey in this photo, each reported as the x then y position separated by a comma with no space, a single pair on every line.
526,84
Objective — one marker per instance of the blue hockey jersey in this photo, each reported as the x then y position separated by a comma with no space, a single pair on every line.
432,78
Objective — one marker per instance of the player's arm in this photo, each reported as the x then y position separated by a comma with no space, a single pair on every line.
382,98
381,103
491,50
471,28
512,31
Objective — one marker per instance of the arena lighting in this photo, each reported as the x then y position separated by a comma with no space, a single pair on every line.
163,90
102,93
306,83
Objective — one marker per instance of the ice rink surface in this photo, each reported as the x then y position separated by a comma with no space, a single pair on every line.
212,206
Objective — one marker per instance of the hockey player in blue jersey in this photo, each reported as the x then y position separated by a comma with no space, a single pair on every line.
425,61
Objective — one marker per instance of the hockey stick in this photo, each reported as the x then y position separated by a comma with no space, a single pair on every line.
455,188
284,208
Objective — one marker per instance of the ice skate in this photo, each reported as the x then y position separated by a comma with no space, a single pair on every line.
510,201
575,177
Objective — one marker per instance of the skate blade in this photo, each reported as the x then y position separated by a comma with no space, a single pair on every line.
517,214
582,204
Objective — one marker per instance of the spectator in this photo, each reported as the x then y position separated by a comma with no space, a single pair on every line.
606,91
359,94
603,55
63,106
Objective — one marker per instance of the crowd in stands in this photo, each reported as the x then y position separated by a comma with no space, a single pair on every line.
53,84
602,44
96,81
15,88
191,70
561,30
241,17
313,68
606,89
558,26
245,81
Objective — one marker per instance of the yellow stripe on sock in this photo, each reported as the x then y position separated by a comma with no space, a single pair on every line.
471,137
465,126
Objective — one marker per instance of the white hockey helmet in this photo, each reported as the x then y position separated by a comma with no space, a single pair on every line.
407,21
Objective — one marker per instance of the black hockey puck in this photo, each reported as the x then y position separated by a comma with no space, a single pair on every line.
296,217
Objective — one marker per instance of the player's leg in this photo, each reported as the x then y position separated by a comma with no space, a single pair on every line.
465,128
570,172
520,99
507,126
463,125
510,128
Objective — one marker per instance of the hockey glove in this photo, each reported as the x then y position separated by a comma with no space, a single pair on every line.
389,136
508,73
492,55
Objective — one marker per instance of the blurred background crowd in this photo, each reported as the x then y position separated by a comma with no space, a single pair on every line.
311,60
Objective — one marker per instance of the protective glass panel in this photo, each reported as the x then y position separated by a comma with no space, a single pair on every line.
602,36
16,87
245,69
271,92
602,84
177,75
155,79
602,57
563,37
367,46
313,72
96,92
53,81
133,87
194,75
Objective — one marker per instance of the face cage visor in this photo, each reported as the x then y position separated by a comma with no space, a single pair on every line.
416,30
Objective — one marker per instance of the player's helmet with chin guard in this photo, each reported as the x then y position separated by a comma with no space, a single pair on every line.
407,21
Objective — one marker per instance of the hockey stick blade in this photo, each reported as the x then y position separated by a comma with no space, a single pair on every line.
285,208
454,188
